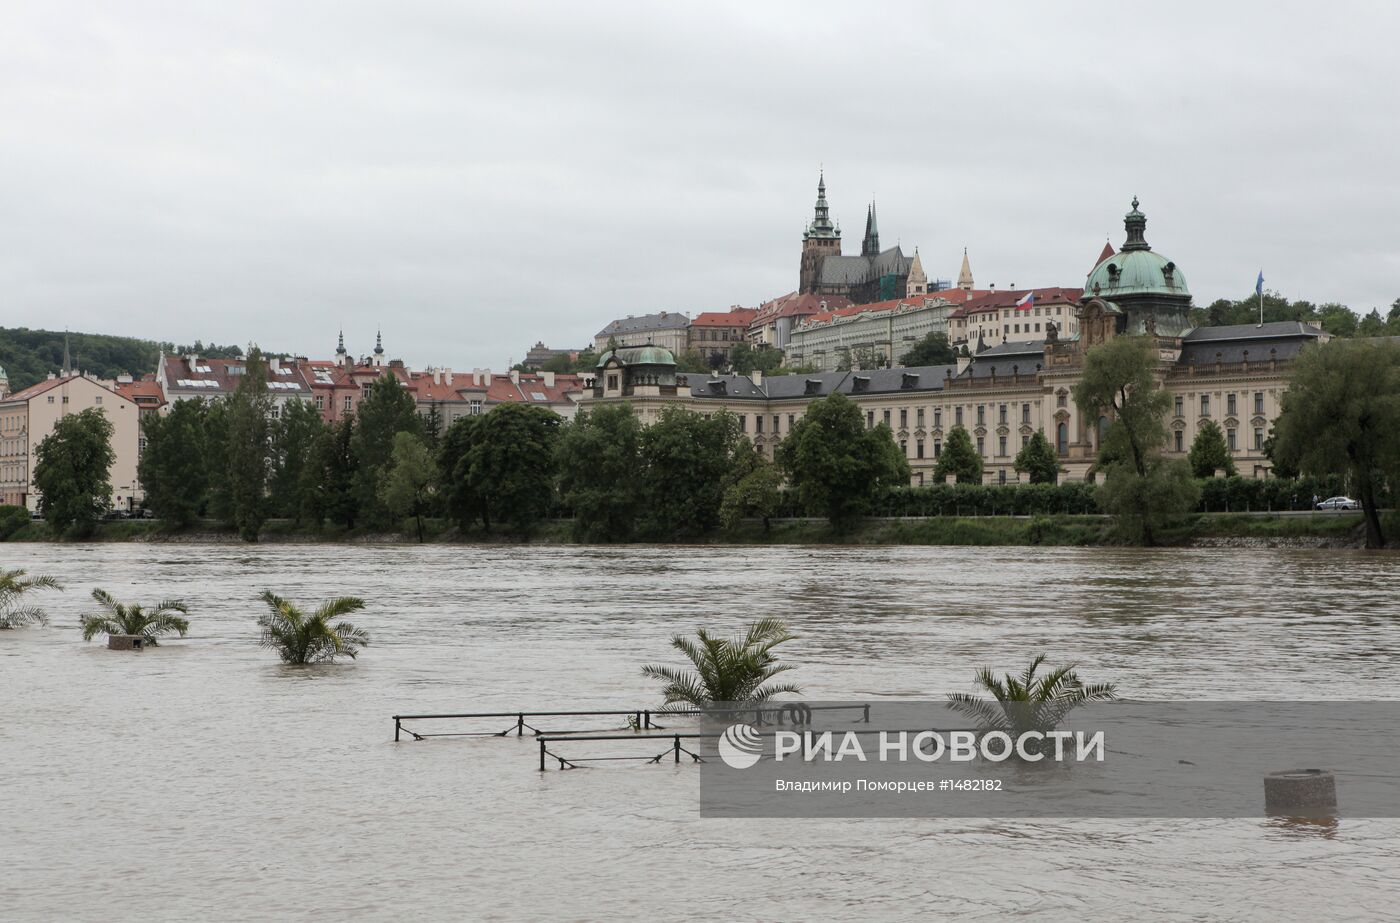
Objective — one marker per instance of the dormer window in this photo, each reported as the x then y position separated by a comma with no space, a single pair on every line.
860,383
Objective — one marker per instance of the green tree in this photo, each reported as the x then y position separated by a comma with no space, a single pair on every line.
1141,489
1341,414
686,455
218,498
410,480
1338,320
328,482
15,588
959,458
745,359
691,360
751,488
150,623
726,669
511,465
300,638
461,500
1284,468
294,440
1038,459
836,465
1028,703
387,410
71,472
1209,452
172,468
249,435
432,425
600,463
933,349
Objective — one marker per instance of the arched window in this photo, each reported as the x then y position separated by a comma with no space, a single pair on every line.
1103,430
1062,437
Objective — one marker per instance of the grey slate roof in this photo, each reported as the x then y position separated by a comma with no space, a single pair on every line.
1278,340
664,320
871,381
852,270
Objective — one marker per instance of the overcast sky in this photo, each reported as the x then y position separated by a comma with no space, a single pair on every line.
476,177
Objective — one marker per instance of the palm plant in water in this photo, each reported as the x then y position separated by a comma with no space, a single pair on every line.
302,638
726,669
1028,702
14,587
116,618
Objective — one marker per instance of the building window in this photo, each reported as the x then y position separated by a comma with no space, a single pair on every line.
743,423
276,412
1001,475
938,419
981,414
65,398
981,446
1001,414
348,405
904,448
476,409
757,423
918,448
903,419
791,421
919,418
1025,441
1230,438
1026,413
1205,405
887,418
1062,399
1001,446
776,421
937,447
1178,440
141,445
1229,405
97,399
1062,438
50,398
1259,402
1178,408
870,419
957,417
1258,439
320,402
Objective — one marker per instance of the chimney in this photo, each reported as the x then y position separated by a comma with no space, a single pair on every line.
547,378
125,378
963,363
757,378
437,376
515,376
447,375
274,364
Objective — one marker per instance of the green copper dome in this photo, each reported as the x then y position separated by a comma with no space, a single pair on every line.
1135,269
639,355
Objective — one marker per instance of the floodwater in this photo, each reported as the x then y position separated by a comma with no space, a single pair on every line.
205,780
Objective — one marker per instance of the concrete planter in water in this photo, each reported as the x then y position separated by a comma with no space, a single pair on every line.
126,643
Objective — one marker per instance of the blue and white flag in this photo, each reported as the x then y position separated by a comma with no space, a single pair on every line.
1259,286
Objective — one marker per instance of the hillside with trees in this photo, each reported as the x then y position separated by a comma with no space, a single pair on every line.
28,356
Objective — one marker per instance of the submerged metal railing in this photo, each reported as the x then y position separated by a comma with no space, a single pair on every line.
642,719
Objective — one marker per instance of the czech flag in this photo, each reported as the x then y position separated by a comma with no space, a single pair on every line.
1027,302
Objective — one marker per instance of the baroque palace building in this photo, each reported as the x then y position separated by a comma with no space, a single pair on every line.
1234,376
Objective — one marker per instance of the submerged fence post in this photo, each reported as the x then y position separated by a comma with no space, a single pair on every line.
396,729
520,725
678,748
542,754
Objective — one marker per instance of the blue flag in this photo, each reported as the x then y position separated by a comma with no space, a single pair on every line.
1259,286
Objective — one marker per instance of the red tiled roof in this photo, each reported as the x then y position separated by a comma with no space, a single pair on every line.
1106,253
996,301
795,305
34,391
953,296
735,317
145,392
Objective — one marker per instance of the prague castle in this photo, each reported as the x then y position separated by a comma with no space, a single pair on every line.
1234,376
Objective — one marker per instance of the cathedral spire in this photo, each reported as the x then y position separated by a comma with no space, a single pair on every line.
871,245
340,344
379,344
67,362
821,225
965,274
